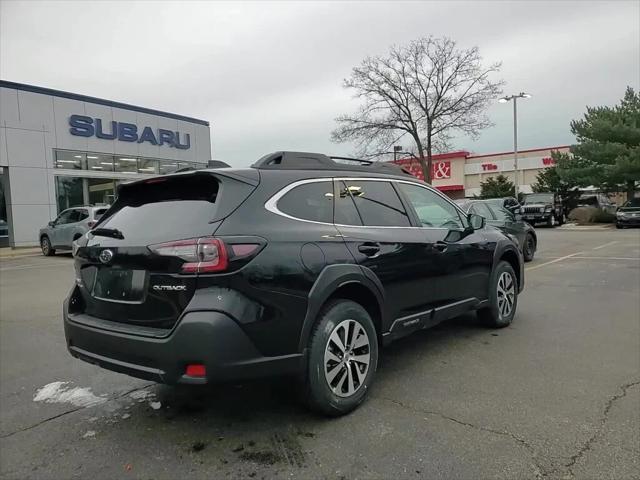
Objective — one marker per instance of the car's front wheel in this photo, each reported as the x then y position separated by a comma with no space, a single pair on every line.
551,221
503,297
343,356
45,246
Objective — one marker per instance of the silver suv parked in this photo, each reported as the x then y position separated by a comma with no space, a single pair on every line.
70,225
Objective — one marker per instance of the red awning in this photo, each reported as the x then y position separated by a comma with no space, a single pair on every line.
449,188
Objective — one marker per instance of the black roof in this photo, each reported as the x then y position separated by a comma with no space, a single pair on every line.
317,161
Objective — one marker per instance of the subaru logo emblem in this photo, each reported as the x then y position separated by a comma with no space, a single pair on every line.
106,256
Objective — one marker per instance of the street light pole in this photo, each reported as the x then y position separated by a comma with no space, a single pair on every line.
515,98
515,143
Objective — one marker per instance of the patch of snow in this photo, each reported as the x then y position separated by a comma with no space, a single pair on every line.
90,433
142,395
125,416
60,392
155,405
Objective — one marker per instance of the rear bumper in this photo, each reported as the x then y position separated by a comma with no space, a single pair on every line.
202,337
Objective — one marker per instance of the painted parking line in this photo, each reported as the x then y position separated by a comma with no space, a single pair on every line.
605,245
535,267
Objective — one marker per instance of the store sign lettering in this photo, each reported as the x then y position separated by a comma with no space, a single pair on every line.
548,161
83,126
487,167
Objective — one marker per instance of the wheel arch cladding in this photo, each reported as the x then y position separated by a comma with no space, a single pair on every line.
346,281
511,257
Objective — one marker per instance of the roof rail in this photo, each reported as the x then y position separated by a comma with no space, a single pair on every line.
319,161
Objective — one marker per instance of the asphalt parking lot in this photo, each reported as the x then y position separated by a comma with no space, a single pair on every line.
556,395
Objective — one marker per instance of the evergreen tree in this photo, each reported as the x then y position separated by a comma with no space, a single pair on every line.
497,187
607,154
549,180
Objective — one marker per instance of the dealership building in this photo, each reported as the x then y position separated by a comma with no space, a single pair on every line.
459,174
60,150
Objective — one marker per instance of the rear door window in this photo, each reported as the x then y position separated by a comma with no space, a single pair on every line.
377,203
309,201
82,214
345,210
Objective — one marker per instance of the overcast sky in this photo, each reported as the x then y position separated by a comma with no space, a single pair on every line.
268,75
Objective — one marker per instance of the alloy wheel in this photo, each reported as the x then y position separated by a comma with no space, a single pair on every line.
506,294
44,244
346,358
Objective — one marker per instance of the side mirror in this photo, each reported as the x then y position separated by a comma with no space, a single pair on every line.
514,209
52,223
476,221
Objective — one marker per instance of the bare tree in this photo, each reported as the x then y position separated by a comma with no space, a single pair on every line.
428,90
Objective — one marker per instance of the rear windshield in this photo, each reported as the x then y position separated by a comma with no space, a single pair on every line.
165,209
634,202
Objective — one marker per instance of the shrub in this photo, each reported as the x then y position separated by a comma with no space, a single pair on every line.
591,215
583,214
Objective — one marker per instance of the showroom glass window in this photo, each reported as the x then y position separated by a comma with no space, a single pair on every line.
100,163
70,160
69,192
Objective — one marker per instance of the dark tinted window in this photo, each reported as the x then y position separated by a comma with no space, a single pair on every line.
482,210
377,202
431,208
309,201
346,213
65,217
502,214
165,209
99,212
81,215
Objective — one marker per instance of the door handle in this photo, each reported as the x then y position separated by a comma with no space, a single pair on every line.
440,246
369,248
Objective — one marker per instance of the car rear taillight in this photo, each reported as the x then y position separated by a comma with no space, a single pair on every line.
201,255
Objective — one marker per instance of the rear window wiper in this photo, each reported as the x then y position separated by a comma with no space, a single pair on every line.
107,232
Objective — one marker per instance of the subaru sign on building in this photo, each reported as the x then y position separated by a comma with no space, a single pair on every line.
59,150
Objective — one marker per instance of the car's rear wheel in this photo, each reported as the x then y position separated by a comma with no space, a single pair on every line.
45,246
529,248
503,297
343,356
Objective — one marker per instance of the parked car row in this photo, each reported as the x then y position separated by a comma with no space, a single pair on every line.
504,215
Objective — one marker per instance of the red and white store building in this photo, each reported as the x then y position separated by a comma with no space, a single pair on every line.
459,174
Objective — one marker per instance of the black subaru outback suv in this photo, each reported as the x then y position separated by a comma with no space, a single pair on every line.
301,265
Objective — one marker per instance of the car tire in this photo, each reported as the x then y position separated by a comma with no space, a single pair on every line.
561,220
619,226
529,247
551,221
503,288
335,386
45,246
